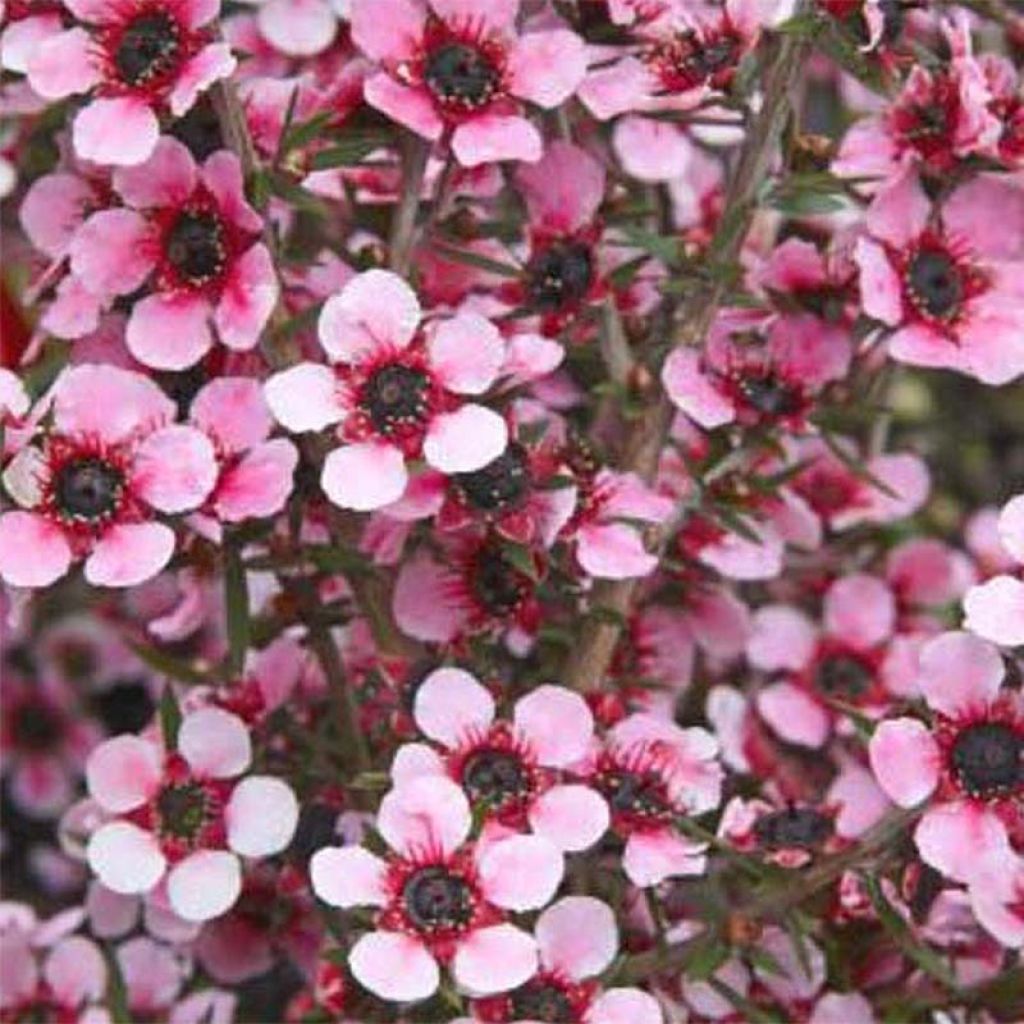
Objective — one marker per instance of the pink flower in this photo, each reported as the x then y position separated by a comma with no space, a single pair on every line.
48,973
651,772
179,817
91,487
756,370
394,391
190,235
511,770
457,70
135,61
608,545
997,898
45,737
927,274
255,471
848,662
940,118
439,898
577,939
790,835
995,609
965,766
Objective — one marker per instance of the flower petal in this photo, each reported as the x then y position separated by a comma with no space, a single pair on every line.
577,936
449,703
215,743
365,476
349,876
495,959
175,468
490,138
120,130
204,885
304,397
427,814
558,724
169,332
394,966
466,352
464,440
130,553
123,773
261,816
126,858
520,873
572,817
905,759
33,552
960,673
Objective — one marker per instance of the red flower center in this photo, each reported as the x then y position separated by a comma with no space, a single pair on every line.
35,726
498,587
437,899
544,999
844,675
799,827
688,59
935,284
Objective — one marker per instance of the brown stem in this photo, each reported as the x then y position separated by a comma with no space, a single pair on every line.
591,657
780,899
403,225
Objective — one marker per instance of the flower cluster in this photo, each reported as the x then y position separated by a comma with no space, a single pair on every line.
508,511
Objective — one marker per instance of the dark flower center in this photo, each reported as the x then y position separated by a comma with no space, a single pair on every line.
935,283
636,794
497,584
182,810
988,759
35,726
542,1001
559,275
771,396
88,489
843,676
795,826
500,484
195,247
77,660
461,76
395,396
437,899
494,776
148,48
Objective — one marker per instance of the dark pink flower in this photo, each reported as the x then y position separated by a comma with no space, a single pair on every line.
458,70
508,769
951,300
135,61
92,486
966,765
189,235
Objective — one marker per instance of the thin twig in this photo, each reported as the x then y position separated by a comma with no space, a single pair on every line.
590,658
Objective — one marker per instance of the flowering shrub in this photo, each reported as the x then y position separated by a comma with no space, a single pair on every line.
510,511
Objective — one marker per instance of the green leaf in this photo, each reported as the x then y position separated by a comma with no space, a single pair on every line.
170,717
925,957
236,602
348,152
519,557
664,247
475,259
706,960
304,133
167,665
117,997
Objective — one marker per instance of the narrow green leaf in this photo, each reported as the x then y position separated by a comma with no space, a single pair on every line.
348,152
519,557
306,132
236,602
475,259
170,717
167,665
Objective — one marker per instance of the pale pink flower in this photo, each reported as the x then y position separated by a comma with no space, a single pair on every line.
395,391
513,771
577,940
651,771
995,609
182,817
440,899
